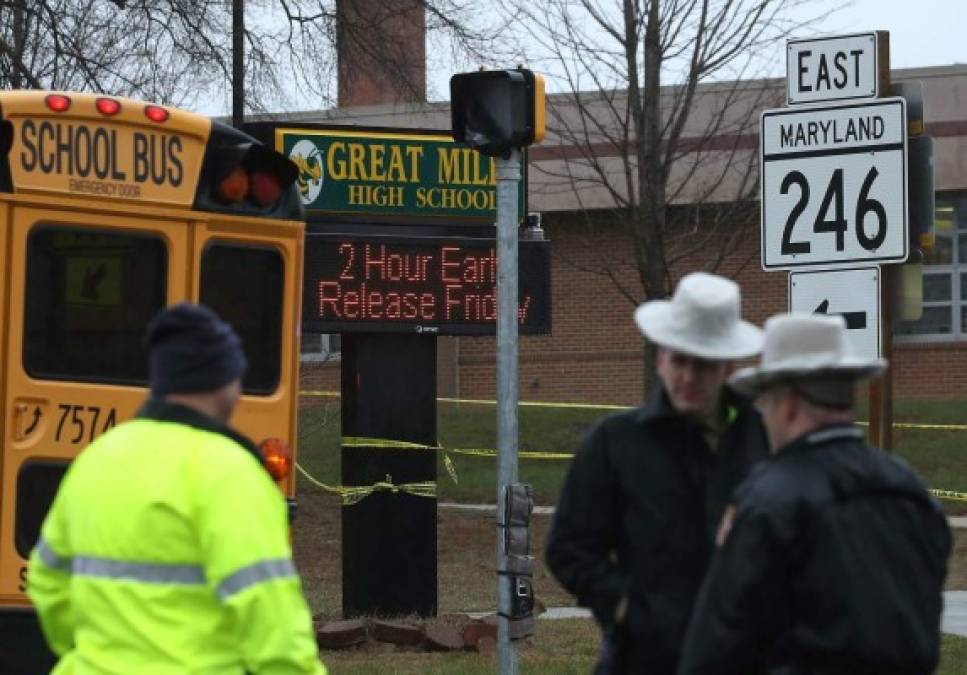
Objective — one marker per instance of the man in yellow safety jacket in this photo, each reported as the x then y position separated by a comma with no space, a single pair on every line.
166,548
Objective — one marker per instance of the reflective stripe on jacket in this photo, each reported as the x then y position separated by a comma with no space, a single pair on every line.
166,551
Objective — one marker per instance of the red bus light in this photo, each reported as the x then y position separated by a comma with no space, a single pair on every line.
277,457
107,106
58,102
234,186
156,113
264,188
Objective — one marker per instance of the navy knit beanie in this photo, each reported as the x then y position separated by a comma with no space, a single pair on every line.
191,350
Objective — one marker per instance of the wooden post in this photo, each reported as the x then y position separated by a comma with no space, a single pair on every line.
881,389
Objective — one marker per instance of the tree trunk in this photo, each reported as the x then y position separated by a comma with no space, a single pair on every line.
652,268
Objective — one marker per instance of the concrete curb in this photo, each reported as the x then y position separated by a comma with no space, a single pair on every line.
954,614
956,522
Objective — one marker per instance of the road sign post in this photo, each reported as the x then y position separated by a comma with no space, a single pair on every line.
499,113
508,174
834,190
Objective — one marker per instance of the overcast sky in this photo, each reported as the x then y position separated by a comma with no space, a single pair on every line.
922,32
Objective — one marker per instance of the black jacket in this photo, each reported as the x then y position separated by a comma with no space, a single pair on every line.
835,565
638,514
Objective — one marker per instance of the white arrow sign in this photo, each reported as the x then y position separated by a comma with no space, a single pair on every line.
853,294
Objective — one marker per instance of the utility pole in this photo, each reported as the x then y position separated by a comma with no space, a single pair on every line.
508,177
238,63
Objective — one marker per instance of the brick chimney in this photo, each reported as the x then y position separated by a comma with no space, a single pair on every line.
381,47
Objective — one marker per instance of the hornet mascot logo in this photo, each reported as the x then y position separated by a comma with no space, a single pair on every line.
307,157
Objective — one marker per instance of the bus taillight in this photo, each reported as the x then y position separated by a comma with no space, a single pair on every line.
277,456
107,106
233,187
58,102
156,113
265,188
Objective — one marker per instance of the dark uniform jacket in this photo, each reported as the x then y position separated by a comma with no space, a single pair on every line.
834,566
637,516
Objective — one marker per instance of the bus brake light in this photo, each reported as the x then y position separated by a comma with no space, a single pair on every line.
156,113
107,106
265,188
58,102
234,186
277,457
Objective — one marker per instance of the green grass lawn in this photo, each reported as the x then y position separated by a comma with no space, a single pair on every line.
566,647
466,550
940,457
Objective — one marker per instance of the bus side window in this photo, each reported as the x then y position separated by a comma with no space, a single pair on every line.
245,286
90,294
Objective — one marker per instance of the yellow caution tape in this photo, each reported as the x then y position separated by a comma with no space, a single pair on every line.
479,401
596,406
950,494
363,442
327,394
354,494
360,442
527,454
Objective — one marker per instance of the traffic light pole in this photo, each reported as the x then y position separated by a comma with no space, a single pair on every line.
508,177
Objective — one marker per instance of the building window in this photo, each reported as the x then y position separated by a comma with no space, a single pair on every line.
89,296
319,347
944,277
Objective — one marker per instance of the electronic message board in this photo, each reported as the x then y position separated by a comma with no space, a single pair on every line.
440,285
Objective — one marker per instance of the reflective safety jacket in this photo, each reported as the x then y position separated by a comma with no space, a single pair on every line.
166,552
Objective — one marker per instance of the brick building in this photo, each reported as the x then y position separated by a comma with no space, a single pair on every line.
594,353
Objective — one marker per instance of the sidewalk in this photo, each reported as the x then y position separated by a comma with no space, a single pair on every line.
954,614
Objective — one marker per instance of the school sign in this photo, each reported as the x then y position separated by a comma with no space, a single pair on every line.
379,173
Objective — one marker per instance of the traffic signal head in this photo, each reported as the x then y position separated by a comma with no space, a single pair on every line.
242,176
495,111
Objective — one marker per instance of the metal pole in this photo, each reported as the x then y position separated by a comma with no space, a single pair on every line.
508,177
238,63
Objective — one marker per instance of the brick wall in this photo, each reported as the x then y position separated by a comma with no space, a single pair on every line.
595,351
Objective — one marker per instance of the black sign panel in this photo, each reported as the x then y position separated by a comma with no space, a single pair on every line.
445,286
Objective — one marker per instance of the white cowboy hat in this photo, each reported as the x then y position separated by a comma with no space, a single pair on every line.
805,346
702,319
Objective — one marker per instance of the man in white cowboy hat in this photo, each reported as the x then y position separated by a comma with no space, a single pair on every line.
634,528
836,558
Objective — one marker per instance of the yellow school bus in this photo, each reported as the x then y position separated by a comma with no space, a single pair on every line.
111,209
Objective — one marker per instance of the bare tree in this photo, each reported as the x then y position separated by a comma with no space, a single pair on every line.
178,52
656,122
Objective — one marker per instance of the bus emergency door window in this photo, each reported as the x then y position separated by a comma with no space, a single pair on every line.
89,295
244,285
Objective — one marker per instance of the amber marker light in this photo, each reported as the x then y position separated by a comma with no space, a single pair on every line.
277,457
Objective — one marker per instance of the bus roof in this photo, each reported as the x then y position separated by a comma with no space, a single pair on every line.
118,149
